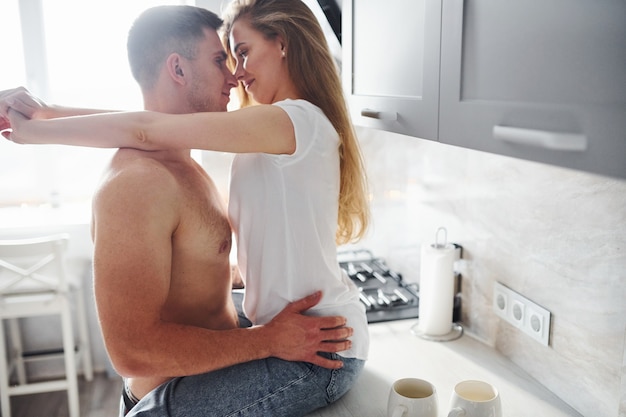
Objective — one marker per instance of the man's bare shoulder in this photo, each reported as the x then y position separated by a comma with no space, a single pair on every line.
135,160
134,175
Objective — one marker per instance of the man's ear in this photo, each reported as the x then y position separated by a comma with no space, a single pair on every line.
174,67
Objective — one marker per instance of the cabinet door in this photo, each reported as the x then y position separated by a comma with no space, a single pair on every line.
543,80
391,64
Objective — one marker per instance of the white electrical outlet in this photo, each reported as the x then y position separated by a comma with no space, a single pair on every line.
500,302
517,313
522,313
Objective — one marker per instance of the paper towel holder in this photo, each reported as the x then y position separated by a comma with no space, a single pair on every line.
456,330
445,238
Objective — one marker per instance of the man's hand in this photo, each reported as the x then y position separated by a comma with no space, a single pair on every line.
299,338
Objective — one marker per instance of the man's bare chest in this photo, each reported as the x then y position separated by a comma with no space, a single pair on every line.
203,214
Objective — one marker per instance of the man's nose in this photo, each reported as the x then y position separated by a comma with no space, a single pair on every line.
231,80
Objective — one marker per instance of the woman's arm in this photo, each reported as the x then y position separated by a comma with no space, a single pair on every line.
264,128
32,107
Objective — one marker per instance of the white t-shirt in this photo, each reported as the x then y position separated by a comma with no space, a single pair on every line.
283,209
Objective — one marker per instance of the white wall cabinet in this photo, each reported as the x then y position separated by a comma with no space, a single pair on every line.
391,64
543,80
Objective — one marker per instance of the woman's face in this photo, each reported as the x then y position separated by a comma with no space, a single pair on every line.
261,64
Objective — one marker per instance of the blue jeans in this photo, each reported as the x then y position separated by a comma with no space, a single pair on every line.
264,388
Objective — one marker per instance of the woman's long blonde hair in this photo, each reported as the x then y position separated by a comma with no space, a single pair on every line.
316,78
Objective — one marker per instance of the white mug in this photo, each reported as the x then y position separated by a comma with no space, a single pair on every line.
475,399
411,397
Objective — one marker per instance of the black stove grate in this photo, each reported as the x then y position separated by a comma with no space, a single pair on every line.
383,292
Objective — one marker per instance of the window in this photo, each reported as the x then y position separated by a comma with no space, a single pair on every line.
71,52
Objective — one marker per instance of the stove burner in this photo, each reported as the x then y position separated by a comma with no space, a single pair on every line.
382,291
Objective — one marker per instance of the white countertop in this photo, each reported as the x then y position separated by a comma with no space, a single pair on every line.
396,353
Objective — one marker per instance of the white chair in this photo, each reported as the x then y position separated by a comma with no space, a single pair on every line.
34,282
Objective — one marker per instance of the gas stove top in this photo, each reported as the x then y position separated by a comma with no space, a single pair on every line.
382,291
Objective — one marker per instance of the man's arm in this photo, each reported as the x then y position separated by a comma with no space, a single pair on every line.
134,217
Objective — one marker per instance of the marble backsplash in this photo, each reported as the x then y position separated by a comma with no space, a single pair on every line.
557,236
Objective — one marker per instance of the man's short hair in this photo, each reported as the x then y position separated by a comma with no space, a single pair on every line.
161,31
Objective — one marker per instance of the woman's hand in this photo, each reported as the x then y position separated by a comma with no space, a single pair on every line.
4,123
21,100
16,105
236,277
10,125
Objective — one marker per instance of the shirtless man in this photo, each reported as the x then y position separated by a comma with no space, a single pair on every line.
161,234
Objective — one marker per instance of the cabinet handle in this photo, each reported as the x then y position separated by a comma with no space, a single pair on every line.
541,138
380,115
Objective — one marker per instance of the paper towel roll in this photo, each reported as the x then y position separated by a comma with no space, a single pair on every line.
436,289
